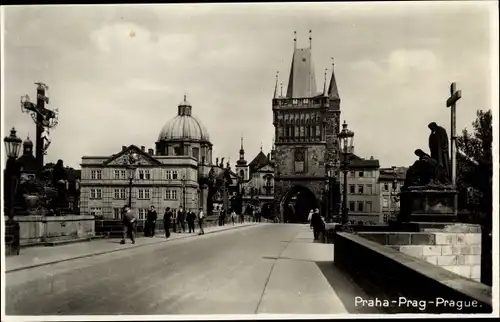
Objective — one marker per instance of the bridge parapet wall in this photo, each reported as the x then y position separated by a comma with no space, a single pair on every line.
407,284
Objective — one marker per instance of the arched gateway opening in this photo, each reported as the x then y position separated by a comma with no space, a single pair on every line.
296,204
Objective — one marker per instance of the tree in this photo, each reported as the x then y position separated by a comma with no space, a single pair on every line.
475,169
474,162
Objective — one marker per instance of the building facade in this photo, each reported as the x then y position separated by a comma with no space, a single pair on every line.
390,182
256,179
363,198
306,123
172,177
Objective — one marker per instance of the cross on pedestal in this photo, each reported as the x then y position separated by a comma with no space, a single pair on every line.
451,102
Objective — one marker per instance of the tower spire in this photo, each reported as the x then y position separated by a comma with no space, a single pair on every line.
276,85
241,142
281,90
333,91
310,39
294,39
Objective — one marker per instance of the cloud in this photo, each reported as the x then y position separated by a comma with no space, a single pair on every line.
117,73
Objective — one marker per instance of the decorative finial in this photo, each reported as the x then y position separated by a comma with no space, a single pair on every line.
295,39
185,98
260,146
333,61
242,141
310,39
324,87
281,89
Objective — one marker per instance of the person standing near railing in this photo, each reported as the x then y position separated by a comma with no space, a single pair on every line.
201,219
167,217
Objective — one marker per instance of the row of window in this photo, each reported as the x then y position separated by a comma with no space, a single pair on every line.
361,189
362,206
142,193
142,174
385,203
117,212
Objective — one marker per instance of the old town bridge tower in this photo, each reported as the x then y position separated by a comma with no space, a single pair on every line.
306,123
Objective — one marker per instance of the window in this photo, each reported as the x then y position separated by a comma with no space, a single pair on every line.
352,188
168,174
174,175
142,213
196,153
178,150
369,189
119,193
386,187
95,193
123,174
170,194
96,212
368,206
144,194
360,189
144,174
96,174
361,174
117,213
351,206
141,174
386,202
387,217
117,174
360,206
352,173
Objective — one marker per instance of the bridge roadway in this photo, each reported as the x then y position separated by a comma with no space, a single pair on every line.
266,268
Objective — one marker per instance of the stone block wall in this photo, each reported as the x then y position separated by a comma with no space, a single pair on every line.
457,252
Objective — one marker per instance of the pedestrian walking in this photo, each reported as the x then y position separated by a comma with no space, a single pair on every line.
173,221
151,221
167,217
129,224
201,219
190,218
309,217
242,218
181,220
222,216
318,224
233,216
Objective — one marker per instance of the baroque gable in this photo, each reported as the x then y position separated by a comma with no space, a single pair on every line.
140,158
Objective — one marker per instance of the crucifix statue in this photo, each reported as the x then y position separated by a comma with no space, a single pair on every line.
451,102
44,119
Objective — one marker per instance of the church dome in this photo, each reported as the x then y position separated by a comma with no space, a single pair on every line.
184,126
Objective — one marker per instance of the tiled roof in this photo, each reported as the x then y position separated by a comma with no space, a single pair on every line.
260,160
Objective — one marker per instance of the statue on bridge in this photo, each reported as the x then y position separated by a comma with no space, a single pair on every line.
438,145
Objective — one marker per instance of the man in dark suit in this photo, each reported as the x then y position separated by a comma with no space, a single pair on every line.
167,217
190,218
151,221
181,219
129,220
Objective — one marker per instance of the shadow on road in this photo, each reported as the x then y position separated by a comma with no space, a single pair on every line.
346,288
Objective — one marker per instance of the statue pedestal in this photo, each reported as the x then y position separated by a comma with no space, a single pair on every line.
428,204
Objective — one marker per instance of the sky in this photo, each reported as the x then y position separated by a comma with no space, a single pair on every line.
117,72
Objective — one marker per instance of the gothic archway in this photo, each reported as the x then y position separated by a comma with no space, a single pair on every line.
296,204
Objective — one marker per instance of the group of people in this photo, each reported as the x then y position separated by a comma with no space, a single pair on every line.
175,220
317,223
233,217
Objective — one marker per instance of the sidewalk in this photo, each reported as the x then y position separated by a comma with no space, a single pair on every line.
40,256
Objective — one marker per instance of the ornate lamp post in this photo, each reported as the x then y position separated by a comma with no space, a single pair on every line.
130,162
183,185
328,190
12,148
346,142
393,193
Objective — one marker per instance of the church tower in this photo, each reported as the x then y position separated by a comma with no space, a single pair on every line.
306,123
241,164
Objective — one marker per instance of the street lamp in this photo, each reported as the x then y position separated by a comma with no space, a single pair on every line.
183,185
130,162
12,148
329,177
346,142
393,194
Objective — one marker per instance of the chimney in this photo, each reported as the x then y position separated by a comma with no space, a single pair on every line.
143,148
124,147
151,152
